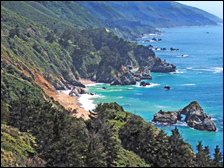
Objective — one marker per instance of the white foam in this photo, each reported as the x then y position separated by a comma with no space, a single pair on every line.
176,72
86,101
213,69
94,84
65,91
147,86
138,93
162,107
130,88
218,69
185,55
190,84
180,123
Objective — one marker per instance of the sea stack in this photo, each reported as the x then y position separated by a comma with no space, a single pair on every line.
195,117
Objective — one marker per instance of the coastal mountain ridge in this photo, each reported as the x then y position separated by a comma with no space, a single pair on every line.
48,46
139,17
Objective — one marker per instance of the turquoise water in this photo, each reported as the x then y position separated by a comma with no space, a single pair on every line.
199,77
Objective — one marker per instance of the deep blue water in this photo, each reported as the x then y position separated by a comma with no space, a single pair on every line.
199,77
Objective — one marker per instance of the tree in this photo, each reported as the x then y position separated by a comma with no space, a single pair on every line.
203,158
181,152
217,161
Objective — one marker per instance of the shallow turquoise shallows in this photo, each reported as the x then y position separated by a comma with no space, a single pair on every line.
199,77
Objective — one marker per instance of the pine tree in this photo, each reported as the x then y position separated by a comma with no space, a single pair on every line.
217,161
181,152
162,150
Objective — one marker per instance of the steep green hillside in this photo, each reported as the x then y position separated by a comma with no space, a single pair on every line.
63,59
17,148
37,15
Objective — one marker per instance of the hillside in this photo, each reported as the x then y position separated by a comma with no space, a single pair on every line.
138,17
51,46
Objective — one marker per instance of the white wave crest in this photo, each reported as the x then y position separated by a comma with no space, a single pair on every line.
147,86
213,69
190,84
86,101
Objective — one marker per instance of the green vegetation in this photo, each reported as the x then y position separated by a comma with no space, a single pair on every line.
16,147
44,38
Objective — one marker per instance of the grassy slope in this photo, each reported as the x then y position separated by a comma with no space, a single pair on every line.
15,147
36,15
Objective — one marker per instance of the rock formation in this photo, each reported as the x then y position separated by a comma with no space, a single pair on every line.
162,66
76,91
143,73
195,117
125,79
170,117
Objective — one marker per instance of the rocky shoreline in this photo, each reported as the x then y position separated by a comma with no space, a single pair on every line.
195,117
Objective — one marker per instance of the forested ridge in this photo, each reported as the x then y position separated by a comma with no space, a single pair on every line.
40,44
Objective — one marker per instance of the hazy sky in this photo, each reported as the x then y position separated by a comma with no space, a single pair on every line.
213,7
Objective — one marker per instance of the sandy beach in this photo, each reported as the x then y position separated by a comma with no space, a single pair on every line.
68,102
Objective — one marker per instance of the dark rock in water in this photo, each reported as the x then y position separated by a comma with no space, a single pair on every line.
154,39
144,83
104,87
143,73
163,66
170,117
196,118
166,87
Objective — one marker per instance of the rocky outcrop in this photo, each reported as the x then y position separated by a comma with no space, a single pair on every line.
76,91
166,87
126,79
196,118
144,83
143,73
170,117
162,66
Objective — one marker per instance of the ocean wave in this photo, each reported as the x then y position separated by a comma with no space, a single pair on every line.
86,101
184,55
182,124
119,97
159,106
115,90
65,91
190,84
176,72
138,94
94,84
147,86
213,69
130,88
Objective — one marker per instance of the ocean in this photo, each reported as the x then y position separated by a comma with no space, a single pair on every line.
199,77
